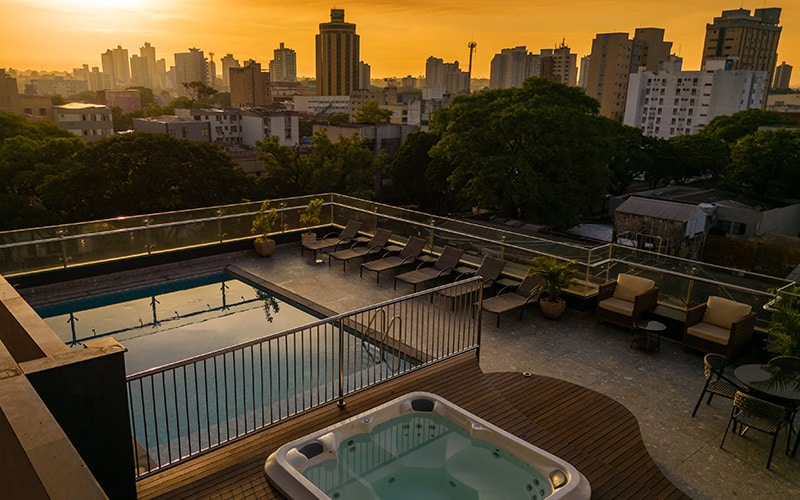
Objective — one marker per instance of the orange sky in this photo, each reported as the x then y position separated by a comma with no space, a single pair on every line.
396,37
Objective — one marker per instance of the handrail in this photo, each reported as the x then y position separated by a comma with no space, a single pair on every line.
189,407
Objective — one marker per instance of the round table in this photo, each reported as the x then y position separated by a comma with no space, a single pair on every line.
773,383
644,329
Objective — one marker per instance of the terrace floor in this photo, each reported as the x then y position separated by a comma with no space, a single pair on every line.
553,409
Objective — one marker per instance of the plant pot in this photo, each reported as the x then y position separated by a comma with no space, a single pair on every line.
308,238
264,247
552,310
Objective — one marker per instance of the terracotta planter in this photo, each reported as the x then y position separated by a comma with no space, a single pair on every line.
552,310
264,247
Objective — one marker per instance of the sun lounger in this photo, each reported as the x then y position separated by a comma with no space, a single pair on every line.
332,240
442,267
407,255
374,246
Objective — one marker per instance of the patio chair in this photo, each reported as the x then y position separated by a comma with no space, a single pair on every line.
332,240
442,267
407,255
717,383
720,326
489,271
754,413
373,247
528,291
625,300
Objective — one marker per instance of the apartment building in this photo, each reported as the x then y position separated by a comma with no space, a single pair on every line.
90,122
672,102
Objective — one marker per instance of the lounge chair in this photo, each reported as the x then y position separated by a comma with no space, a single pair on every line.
442,267
489,271
407,255
721,326
332,240
374,246
528,291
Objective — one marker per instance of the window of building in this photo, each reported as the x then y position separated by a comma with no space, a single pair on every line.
27,111
204,132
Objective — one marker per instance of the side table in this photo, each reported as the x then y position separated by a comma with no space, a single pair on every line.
644,330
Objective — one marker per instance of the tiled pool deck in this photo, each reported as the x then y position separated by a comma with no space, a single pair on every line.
660,389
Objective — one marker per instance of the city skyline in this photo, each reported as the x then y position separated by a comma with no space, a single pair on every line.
396,39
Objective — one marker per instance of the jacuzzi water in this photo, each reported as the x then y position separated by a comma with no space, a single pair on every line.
420,446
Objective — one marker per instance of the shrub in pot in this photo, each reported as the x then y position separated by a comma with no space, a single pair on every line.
310,217
262,226
557,275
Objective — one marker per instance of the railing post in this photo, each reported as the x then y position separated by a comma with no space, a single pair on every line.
341,402
64,257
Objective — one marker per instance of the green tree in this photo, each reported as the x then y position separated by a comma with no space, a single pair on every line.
539,152
144,173
88,96
285,173
416,177
766,164
696,155
122,121
199,91
731,128
370,112
337,119
347,166
145,94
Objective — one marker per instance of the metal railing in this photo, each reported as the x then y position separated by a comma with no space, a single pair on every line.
186,408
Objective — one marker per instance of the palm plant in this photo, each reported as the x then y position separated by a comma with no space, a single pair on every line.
557,276
784,327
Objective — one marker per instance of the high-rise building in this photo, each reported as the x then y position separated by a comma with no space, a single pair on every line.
509,68
671,102
563,67
250,86
115,63
783,74
364,75
189,67
140,72
283,68
614,57
9,93
228,62
337,56
148,53
751,39
447,77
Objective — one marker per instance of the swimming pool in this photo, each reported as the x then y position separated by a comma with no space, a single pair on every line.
175,320
420,445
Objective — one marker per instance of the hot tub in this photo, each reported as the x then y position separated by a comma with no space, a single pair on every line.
420,446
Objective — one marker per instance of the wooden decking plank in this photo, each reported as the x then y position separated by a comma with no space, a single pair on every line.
568,420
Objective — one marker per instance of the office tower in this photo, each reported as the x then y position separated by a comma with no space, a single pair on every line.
671,102
283,67
783,74
614,57
434,73
583,76
140,72
228,62
115,63
751,40
189,67
337,56
364,75
250,86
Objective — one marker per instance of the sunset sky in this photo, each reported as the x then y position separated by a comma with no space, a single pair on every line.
396,37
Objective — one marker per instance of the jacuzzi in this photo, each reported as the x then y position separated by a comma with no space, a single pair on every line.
420,446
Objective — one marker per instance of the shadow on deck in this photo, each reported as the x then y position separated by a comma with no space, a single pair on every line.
591,431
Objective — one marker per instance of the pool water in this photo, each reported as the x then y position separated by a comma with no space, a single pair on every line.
172,321
424,455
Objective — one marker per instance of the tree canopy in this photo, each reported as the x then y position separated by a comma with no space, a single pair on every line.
370,112
766,164
539,152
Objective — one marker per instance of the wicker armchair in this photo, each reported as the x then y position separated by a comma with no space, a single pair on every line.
720,326
754,413
624,301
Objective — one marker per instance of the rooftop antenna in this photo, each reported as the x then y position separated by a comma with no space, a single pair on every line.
471,46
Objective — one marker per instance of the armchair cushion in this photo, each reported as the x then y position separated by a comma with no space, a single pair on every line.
613,304
629,286
723,313
712,333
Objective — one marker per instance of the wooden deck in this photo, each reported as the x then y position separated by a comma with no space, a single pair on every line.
591,431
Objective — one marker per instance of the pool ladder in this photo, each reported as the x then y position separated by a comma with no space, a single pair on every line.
384,331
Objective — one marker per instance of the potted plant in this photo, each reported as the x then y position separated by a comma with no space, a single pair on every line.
557,276
262,225
310,217
784,326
